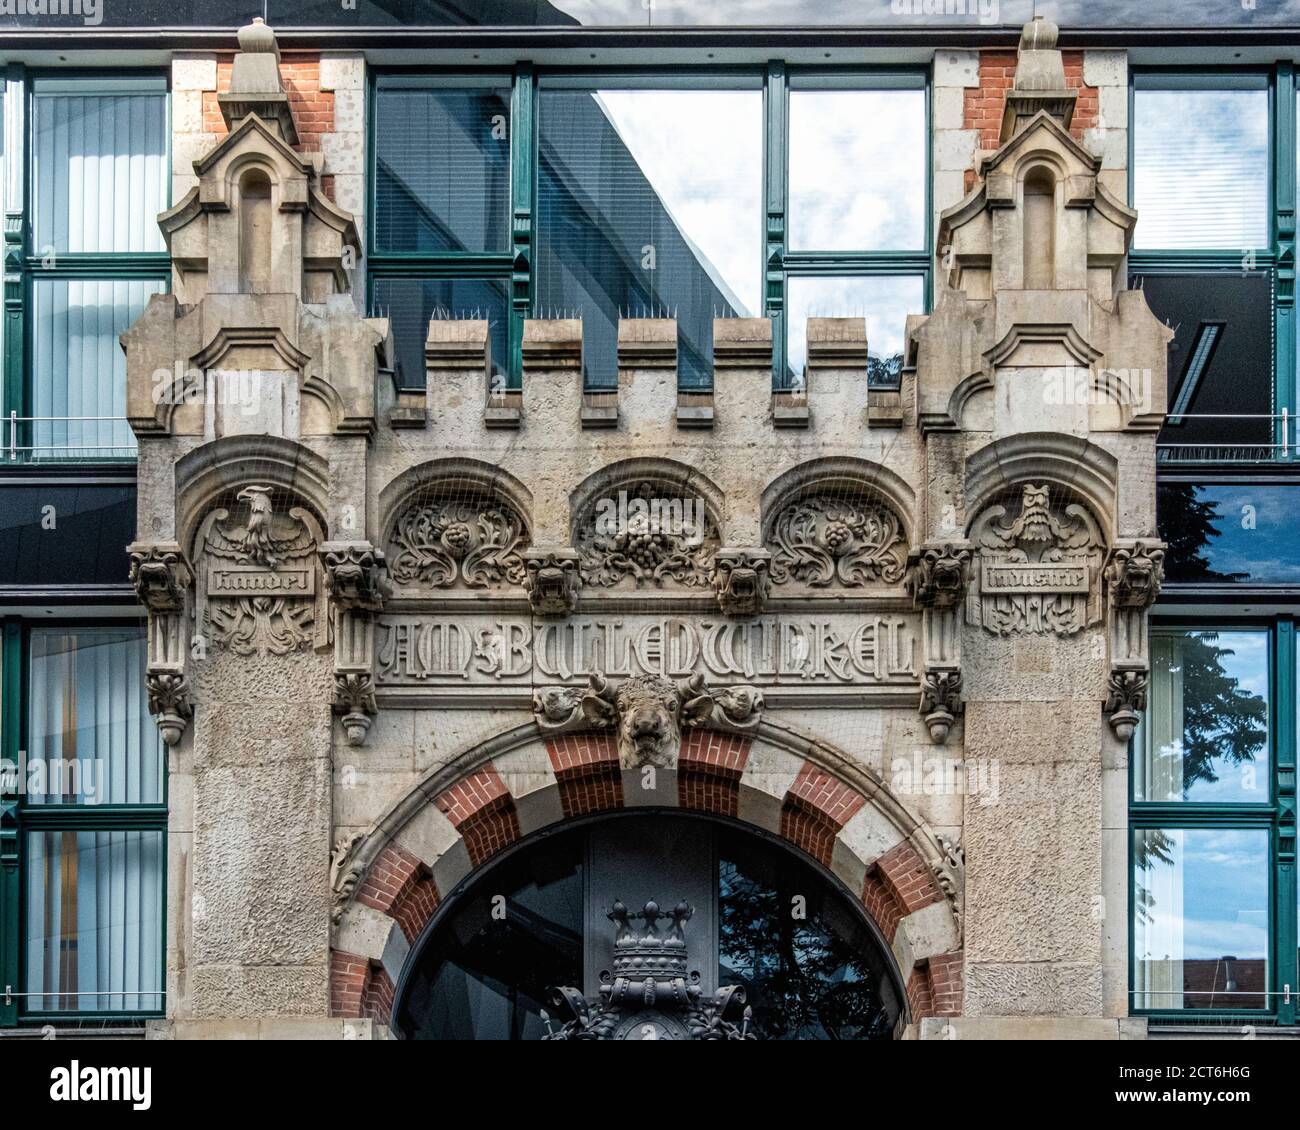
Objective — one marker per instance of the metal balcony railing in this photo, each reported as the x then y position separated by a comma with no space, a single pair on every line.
1283,448
32,439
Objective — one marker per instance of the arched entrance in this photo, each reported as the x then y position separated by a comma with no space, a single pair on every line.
816,818
762,916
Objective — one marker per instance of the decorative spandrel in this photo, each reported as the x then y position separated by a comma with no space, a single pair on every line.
651,994
445,542
1038,567
259,591
832,541
648,536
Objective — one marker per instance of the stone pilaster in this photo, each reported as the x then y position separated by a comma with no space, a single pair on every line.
162,578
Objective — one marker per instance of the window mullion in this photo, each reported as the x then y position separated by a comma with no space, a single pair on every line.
1284,902
522,181
10,841
776,106
13,194
1284,240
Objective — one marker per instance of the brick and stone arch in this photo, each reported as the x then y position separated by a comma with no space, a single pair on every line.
779,781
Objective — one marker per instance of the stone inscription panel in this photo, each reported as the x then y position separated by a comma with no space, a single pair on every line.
767,651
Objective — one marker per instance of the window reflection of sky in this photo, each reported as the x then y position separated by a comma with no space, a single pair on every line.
1200,168
1256,536
884,300
1223,876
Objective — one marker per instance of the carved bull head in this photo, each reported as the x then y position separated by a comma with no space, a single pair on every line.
648,712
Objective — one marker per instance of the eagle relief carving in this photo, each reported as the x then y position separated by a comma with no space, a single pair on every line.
259,588
1038,570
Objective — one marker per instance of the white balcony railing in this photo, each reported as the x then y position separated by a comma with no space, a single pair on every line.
1279,426
37,438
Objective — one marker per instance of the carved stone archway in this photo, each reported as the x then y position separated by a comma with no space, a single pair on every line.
388,882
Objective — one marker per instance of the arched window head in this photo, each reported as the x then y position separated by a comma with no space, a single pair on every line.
255,214
1040,229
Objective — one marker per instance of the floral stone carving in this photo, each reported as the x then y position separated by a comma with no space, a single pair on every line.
647,536
824,540
1038,569
447,543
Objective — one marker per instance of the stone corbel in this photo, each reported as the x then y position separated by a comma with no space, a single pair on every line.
354,578
740,578
552,580
937,577
1133,575
161,577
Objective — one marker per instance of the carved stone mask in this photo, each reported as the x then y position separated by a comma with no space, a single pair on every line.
647,713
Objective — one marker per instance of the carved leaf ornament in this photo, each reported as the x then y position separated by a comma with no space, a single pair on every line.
823,541
446,543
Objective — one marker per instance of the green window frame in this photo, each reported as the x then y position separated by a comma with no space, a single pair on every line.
1275,818
1276,258
29,267
780,264
18,819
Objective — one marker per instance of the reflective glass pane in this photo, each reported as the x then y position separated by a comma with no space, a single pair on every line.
884,300
78,366
1200,168
94,921
442,169
819,977
857,170
1205,736
650,205
411,303
101,173
1230,533
485,976
1220,363
91,739
1200,918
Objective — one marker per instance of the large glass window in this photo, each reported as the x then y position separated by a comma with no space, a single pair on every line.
1229,533
748,192
650,204
1201,166
1200,919
1205,253
434,146
1206,736
857,170
98,176
87,771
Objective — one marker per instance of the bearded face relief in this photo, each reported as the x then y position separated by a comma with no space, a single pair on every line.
1039,565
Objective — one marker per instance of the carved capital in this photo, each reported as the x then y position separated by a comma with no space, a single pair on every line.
1126,699
169,703
938,573
552,579
355,575
1134,573
940,701
354,699
740,578
160,575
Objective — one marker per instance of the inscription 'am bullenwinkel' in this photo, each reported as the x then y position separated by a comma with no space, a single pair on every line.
765,651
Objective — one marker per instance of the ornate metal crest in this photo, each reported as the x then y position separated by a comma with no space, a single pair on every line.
259,587
827,541
649,994
1038,570
447,543
647,536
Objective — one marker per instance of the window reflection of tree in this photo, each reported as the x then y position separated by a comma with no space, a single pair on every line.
1187,524
1220,721
805,981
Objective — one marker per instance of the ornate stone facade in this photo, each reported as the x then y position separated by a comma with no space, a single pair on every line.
390,629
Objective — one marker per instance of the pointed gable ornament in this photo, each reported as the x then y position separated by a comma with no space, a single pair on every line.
1040,81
